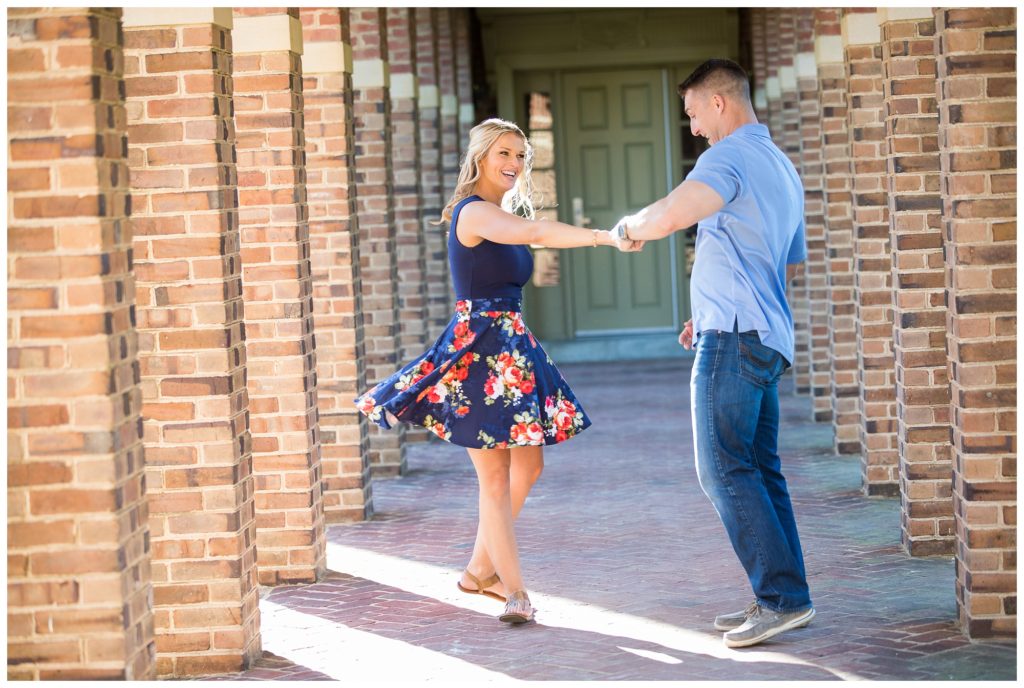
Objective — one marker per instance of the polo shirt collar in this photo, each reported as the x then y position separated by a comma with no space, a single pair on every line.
754,129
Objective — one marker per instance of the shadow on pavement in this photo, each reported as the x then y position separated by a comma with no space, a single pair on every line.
532,651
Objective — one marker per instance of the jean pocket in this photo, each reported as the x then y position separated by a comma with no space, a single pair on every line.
758,362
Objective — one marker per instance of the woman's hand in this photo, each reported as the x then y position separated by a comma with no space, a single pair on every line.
628,246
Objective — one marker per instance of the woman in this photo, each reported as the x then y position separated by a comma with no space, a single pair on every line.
486,384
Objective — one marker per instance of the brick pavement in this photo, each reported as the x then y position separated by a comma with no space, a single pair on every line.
627,563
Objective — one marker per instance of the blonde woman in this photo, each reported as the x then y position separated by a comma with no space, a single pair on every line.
486,384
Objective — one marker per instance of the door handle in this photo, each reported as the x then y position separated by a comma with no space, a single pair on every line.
578,218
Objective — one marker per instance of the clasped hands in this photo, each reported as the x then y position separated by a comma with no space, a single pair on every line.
622,242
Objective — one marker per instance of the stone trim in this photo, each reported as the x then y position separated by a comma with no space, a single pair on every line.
268,33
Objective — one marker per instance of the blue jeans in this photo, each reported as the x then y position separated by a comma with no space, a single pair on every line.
734,403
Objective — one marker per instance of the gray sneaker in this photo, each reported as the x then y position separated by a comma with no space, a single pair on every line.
727,622
764,623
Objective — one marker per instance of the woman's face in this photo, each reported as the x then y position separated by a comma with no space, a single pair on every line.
503,163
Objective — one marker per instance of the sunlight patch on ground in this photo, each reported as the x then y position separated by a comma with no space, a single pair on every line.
439,583
656,656
354,656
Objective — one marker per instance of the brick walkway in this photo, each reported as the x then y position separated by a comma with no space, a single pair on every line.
628,564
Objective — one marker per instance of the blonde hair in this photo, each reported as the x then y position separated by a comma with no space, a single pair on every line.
481,138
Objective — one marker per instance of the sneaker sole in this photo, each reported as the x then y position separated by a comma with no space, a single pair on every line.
798,622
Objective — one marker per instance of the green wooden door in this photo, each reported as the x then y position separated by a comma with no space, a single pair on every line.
617,152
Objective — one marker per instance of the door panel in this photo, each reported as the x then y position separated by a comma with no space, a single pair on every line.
616,148
636,106
596,170
641,174
601,292
593,108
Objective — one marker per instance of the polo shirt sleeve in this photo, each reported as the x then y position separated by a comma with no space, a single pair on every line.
720,168
798,246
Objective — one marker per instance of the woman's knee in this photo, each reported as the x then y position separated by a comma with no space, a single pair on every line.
492,471
495,481
495,486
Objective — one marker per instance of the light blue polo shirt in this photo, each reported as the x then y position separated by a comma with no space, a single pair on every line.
739,272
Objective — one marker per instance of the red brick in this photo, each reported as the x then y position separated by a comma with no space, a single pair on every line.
150,39
40,534
51,89
179,61
84,561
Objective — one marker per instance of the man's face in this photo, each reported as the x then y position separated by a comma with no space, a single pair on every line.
704,113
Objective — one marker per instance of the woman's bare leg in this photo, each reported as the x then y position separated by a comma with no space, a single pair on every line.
493,469
527,463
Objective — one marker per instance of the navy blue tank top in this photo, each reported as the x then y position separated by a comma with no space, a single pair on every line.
487,270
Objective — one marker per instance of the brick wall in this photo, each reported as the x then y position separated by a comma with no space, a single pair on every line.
450,145
759,62
405,153
431,197
334,259
78,571
192,347
832,80
919,318
277,287
976,50
811,173
773,88
463,75
788,139
872,262
375,209
410,240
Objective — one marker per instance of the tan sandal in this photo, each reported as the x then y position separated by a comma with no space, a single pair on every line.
518,609
481,586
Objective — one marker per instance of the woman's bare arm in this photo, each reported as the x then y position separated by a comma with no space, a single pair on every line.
479,221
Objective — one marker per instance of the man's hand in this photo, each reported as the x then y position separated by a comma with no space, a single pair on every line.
625,245
686,336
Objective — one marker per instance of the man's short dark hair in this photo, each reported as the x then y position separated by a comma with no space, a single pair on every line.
724,77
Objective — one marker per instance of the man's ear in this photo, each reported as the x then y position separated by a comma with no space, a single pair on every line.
718,102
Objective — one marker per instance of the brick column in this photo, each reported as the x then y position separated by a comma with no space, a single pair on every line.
375,207
843,390
463,76
405,166
919,319
872,261
811,173
431,198
337,299
788,139
758,50
78,569
772,86
449,105
277,288
189,293
410,247
976,52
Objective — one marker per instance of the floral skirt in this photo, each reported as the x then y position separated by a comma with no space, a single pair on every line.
485,384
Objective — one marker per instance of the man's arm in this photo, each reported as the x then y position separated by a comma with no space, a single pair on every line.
687,204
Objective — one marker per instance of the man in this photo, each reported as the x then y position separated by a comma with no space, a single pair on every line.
747,199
